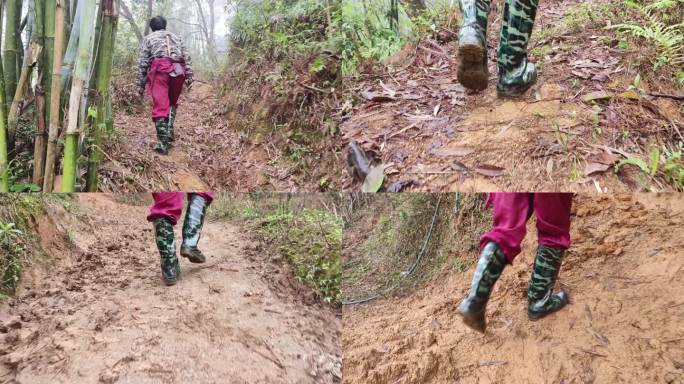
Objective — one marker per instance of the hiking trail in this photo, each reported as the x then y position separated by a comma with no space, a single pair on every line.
100,312
623,324
567,133
208,154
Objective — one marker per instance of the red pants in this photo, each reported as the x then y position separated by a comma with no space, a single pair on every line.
511,212
165,90
170,205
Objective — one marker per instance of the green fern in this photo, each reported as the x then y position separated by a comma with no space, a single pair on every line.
669,39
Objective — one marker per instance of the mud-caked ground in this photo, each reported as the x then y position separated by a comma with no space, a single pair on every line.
98,312
623,324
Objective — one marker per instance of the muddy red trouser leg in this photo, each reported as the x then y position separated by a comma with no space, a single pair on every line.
170,205
166,91
175,89
511,212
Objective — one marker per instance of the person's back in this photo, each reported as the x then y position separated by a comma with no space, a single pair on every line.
163,44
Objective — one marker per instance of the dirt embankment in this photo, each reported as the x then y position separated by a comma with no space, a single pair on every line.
100,313
624,275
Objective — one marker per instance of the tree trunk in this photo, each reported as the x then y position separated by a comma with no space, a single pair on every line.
10,53
150,4
49,180
80,77
126,13
205,30
104,74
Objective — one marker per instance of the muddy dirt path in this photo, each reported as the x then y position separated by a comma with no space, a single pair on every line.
623,325
209,154
102,314
424,126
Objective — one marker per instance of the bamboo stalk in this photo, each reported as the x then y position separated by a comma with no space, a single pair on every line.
104,74
4,163
10,51
32,54
80,77
49,180
40,139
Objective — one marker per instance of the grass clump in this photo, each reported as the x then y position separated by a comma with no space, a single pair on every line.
19,245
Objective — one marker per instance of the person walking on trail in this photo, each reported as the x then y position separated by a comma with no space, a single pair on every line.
516,74
501,245
165,213
164,67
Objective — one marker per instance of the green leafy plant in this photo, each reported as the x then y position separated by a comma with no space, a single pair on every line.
667,163
656,28
10,263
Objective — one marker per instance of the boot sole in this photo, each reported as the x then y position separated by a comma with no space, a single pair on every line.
514,92
170,282
471,74
191,258
473,322
534,316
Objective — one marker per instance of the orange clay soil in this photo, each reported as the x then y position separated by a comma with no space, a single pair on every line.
101,313
624,323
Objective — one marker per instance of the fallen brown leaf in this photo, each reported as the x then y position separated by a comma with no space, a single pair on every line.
489,170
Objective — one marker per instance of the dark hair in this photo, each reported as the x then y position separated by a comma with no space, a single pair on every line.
157,23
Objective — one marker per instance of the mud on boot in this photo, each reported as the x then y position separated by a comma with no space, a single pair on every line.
472,45
192,228
162,146
489,268
516,74
542,300
163,233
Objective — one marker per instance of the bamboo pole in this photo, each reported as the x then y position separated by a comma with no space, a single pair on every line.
103,85
10,51
49,180
31,56
4,161
41,91
49,50
79,80
72,49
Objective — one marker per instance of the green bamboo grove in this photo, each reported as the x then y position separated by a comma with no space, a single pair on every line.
56,63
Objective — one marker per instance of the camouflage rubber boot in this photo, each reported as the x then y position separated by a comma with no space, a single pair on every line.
542,300
172,121
163,136
516,74
192,228
472,45
163,232
489,268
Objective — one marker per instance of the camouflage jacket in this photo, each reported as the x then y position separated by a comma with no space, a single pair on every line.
155,46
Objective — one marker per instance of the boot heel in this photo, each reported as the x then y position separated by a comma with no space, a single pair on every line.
472,73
